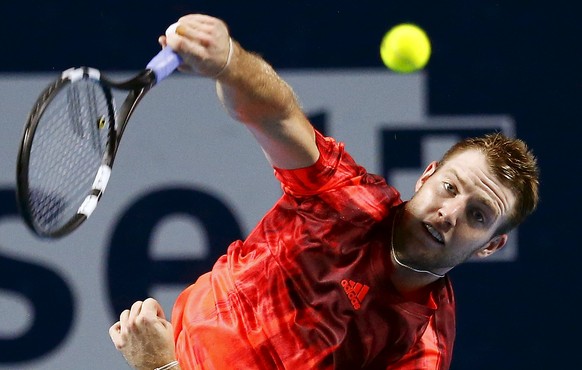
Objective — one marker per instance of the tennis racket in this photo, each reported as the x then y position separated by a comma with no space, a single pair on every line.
70,141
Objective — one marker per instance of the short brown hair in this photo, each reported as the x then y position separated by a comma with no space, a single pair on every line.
513,164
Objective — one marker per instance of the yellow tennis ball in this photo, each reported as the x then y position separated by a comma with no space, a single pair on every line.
405,48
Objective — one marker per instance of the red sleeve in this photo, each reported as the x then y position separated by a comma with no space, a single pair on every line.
334,168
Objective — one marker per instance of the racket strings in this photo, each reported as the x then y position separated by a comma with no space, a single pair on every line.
71,139
99,119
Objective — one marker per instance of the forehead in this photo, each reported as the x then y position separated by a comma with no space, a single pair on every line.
471,170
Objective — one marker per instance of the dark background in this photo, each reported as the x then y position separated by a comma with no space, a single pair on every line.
520,58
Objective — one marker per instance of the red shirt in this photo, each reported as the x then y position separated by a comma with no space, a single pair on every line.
309,288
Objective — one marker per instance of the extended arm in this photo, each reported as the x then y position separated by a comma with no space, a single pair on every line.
250,90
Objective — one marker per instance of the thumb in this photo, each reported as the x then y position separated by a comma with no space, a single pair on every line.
162,40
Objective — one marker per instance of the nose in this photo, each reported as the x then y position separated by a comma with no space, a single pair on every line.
450,211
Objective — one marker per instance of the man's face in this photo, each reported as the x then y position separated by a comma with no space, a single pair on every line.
453,214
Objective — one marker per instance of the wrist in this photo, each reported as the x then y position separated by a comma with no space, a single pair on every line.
170,365
228,58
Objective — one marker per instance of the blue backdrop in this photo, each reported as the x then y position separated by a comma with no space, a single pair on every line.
520,58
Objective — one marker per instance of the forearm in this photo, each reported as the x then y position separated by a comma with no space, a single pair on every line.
253,92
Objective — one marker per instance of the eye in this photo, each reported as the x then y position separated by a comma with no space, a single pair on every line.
478,216
449,188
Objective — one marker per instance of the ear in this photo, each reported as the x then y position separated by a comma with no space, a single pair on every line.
428,172
492,246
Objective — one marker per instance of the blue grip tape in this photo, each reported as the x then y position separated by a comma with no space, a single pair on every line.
164,63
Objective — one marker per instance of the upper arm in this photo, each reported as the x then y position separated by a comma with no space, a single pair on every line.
289,143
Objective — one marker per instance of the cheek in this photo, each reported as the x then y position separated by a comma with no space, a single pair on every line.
424,199
468,240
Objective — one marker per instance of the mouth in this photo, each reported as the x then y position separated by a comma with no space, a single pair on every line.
435,234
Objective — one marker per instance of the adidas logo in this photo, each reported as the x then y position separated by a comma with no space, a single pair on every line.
355,291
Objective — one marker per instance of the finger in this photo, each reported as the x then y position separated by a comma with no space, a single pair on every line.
189,26
184,28
200,33
162,41
115,335
197,18
192,31
171,29
134,312
115,329
184,34
123,321
123,317
153,307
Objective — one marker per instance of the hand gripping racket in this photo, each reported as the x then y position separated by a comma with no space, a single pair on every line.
70,141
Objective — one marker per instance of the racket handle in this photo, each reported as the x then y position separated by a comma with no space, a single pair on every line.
164,63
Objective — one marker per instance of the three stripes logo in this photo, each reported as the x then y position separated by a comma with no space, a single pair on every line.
355,291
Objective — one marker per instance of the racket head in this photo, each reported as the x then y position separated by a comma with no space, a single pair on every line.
66,152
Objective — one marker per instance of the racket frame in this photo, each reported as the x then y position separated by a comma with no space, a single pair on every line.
136,86
160,67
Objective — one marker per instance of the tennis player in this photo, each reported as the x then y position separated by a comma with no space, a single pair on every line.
341,273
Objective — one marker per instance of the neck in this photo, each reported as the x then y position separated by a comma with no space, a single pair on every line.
406,277
401,264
